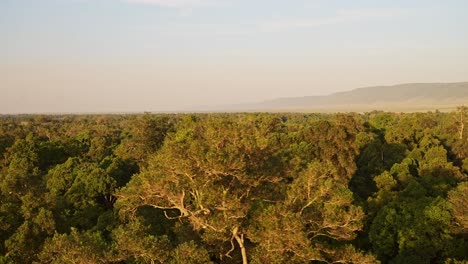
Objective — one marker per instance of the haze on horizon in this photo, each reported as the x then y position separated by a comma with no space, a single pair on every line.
169,55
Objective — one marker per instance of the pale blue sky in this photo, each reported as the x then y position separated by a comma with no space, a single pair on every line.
137,55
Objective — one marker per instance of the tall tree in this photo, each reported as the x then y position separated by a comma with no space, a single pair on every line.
210,172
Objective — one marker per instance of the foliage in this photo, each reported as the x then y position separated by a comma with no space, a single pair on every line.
234,188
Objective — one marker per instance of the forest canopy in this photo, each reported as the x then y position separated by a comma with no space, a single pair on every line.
377,187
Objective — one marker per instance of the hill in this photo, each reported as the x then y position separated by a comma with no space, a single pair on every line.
409,97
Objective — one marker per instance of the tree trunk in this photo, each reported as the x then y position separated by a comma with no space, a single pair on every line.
240,241
462,126
463,111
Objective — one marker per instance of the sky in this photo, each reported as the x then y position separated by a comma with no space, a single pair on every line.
61,56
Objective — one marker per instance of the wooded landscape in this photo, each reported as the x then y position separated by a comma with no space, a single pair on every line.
234,188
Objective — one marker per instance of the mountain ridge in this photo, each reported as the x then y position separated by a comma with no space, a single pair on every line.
401,97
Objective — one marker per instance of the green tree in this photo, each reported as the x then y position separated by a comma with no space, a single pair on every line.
318,208
210,172
458,199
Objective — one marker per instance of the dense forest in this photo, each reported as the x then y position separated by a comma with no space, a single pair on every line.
377,187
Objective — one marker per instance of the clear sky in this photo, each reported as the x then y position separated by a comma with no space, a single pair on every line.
161,55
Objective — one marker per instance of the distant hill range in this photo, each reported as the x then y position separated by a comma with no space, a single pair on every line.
409,97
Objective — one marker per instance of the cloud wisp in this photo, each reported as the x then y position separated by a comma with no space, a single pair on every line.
176,3
254,27
344,16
